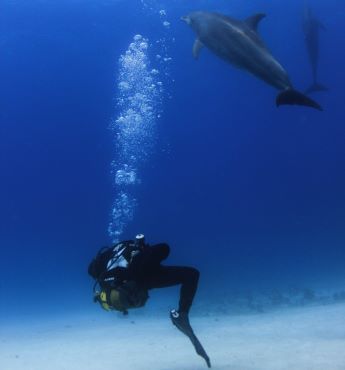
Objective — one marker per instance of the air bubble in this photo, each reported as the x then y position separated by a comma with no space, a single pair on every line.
139,103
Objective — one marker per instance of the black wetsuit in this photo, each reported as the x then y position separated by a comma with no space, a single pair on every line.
146,270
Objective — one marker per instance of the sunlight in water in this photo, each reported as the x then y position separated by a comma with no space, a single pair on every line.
138,104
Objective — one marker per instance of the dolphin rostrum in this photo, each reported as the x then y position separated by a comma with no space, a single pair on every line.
311,28
239,43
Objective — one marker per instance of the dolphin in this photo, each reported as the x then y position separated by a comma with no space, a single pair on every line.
239,43
311,28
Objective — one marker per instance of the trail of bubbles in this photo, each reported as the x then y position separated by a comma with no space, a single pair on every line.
139,104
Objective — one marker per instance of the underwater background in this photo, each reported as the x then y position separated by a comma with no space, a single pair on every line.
250,194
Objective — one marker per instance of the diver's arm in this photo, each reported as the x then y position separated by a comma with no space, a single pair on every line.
149,259
159,252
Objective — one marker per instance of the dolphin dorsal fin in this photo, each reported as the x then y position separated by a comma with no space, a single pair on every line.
254,20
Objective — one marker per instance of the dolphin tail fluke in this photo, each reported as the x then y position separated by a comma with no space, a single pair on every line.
316,87
294,97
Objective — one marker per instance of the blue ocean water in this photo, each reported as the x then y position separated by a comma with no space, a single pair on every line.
250,194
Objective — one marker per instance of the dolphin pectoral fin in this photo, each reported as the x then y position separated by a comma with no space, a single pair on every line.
294,97
254,20
196,48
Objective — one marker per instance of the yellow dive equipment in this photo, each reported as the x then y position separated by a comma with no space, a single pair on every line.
101,297
110,301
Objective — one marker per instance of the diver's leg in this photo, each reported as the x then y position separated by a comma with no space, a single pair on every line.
188,277
167,276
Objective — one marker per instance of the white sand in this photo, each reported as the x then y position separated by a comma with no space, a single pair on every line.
297,339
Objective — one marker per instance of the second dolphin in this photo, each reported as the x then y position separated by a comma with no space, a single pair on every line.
239,43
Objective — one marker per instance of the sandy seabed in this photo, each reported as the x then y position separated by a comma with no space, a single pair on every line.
310,338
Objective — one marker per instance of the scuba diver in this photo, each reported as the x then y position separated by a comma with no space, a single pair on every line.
126,272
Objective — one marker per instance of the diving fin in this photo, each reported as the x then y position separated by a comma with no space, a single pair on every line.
181,321
316,87
294,97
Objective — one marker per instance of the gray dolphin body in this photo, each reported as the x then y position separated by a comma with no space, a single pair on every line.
311,28
238,43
